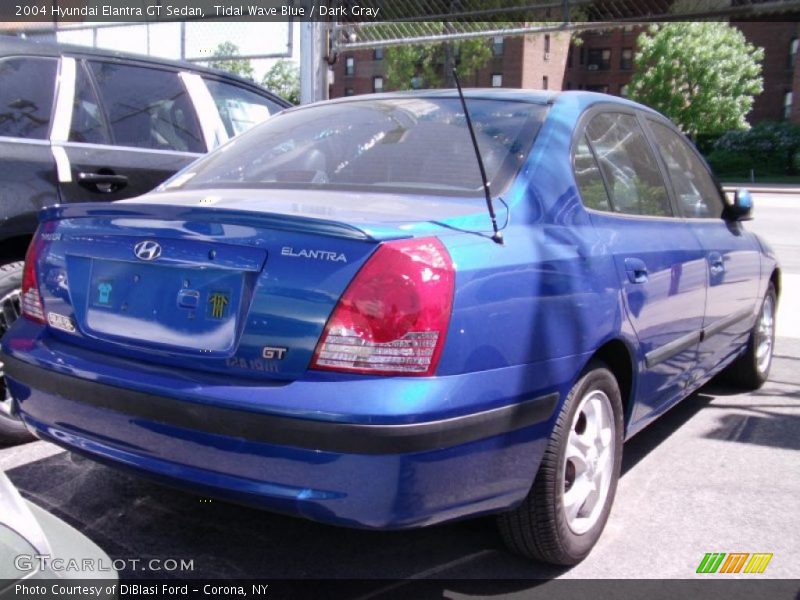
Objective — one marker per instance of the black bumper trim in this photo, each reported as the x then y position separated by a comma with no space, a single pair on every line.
328,436
721,325
667,351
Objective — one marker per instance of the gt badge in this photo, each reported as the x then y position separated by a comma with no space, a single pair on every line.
218,304
62,322
274,352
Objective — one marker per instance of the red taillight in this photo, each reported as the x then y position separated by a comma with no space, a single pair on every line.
393,317
31,300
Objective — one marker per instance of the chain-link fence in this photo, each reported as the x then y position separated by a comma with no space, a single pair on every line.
425,21
197,41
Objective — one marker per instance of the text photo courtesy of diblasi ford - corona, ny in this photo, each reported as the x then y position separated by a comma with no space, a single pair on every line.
288,289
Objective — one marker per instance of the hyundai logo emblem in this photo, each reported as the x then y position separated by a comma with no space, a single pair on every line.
147,250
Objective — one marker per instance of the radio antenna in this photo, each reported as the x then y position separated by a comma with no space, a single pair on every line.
497,237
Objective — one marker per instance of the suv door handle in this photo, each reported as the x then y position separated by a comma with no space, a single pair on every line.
636,270
716,264
104,183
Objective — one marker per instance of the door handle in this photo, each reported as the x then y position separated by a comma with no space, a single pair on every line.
104,183
716,264
636,270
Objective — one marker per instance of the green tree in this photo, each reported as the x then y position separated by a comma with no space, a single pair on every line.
431,65
224,58
702,75
283,79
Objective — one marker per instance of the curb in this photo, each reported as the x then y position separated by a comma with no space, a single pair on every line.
760,189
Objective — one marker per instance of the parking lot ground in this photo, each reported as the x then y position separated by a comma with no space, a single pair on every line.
718,473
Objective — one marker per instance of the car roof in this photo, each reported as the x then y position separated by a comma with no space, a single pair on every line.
581,100
10,45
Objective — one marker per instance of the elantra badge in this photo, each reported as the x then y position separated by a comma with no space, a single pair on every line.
315,254
147,250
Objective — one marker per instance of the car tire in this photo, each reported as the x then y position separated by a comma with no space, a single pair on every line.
751,369
12,430
549,525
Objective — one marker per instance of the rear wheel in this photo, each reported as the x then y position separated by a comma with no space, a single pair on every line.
568,505
12,431
751,369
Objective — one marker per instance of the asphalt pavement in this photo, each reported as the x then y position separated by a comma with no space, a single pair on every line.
718,473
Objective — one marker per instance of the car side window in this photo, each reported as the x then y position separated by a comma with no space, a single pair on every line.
695,191
147,108
239,108
27,87
589,179
628,165
88,123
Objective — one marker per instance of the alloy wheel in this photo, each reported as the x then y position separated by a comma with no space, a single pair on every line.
765,334
588,464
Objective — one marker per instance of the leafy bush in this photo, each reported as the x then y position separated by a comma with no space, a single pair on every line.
732,164
769,148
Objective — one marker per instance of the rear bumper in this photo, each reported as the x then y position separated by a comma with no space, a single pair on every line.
420,468
324,436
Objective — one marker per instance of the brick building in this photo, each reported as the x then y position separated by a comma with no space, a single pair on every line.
603,62
532,62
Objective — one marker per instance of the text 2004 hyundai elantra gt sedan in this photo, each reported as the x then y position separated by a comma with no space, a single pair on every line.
316,318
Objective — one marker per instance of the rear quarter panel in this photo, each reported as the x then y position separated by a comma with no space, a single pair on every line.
550,291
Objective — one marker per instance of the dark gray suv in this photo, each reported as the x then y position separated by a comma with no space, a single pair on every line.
80,125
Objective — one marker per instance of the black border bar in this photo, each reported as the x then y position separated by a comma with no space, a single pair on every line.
328,436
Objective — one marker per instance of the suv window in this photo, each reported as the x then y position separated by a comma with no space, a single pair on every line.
88,124
628,165
147,108
239,108
695,191
26,96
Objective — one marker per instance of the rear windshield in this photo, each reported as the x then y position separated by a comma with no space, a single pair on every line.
389,144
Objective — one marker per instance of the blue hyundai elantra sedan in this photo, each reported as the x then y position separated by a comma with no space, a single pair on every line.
319,318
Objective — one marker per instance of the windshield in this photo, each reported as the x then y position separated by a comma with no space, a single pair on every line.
388,144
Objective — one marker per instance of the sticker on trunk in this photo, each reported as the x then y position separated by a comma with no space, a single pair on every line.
62,322
104,289
218,303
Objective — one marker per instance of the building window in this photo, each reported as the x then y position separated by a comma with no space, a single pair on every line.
348,91
547,46
626,60
497,45
377,84
787,105
377,54
793,46
570,54
349,66
582,55
599,59
599,87
623,91
569,85
497,80
545,82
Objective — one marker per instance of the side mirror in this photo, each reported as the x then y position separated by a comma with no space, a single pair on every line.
742,207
